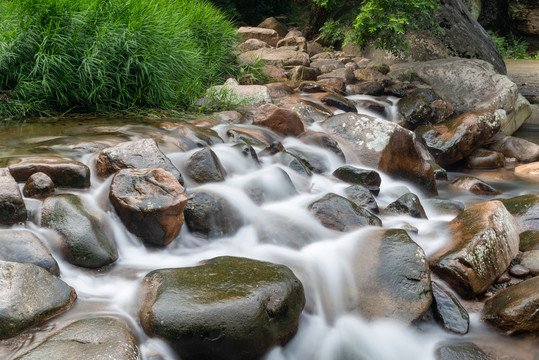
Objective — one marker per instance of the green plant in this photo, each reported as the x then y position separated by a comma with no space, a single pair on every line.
220,98
108,55
333,31
252,73
512,46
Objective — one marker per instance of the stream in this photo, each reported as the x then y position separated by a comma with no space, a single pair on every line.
326,330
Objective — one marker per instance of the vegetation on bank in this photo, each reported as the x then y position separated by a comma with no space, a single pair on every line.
512,46
108,55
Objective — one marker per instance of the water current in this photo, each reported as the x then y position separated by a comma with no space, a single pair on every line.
327,331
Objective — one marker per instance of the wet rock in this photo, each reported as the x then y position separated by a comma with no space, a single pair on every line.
473,185
460,351
322,140
452,140
280,120
439,172
523,150
150,203
530,259
343,74
313,87
254,136
38,185
12,208
247,151
269,36
192,137
338,213
515,308
279,57
372,106
24,247
484,241
315,161
30,295
531,169
63,172
485,159
449,207
408,204
354,175
229,308
529,240
361,196
302,73
204,167
337,101
441,111
87,239
96,338
273,184
525,209
297,42
391,277
211,215
295,163
366,88
448,311
137,154
274,24
284,231
414,110
385,146
519,270
369,75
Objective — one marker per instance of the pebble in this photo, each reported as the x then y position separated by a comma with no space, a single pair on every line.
519,271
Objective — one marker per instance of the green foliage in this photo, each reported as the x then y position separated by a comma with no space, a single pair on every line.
252,74
512,46
105,55
333,31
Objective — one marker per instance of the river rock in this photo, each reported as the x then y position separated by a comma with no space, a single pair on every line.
150,203
22,246
523,150
269,36
378,66
441,111
515,308
211,215
369,75
519,270
414,110
279,57
335,100
530,259
354,175
529,240
361,196
254,136
525,209
204,167
30,295
441,206
253,44
232,91
12,207
322,140
385,146
274,24
192,137
273,184
295,163
473,185
327,65
448,311
87,239
283,230
531,169
137,154
95,338
347,76
248,152
408,204
280,120
485,159
38,185
392,277
228,308
484,242
457,350
366,88
339,213
316,161
452,140
63,172
302,73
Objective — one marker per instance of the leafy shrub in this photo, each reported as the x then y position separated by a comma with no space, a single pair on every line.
102,55
512,46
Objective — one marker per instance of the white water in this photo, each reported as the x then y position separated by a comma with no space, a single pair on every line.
326,330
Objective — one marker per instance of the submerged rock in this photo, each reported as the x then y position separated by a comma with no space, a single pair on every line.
448,311
38,185
274,184
392,277
12,207
473,185
354,175
24,247
150,203
484,241
515,308
460,351
361,196
63,172
228,308
87,239
442,206
29,295
282,230
204,167
322,140
407,204
95,338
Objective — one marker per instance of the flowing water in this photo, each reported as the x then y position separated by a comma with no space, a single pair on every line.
326,330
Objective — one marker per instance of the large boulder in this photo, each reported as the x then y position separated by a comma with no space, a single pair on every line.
87,240
513,147
392,277
515,308
137,154
282,121
228,308
29,295
524,16
23,246
93,338
12,207
246,95
150,203
525,209
63,172
274,24
279,57
385,146
484,242
269,36
204,166
471,84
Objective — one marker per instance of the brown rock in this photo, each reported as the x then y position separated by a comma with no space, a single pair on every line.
274,24
38,185
301,73
530,259
63,172
279,120
299,42
275,56
484,242
279,90
366,88
274,72
269,36
528,169
485,159
253,44
12,208
343,74
369,75
441,111
150,203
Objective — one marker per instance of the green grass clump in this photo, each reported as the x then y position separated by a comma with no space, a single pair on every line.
512,46
109,55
